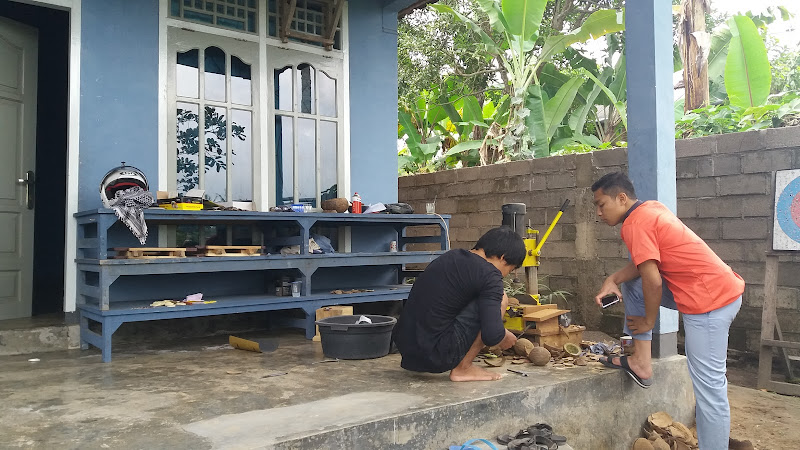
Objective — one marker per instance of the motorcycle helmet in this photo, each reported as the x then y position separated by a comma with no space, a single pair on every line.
121,178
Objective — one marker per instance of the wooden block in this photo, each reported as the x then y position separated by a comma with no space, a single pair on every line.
527,309
149,252
332,311
231,250
547,326
559,339
544,314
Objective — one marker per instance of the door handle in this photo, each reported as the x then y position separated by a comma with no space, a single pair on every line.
30,187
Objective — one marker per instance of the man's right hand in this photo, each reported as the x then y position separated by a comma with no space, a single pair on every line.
508,341
609,287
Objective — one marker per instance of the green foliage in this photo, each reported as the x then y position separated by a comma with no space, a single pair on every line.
727,118
747,72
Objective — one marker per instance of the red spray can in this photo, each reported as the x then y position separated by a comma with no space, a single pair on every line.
356,204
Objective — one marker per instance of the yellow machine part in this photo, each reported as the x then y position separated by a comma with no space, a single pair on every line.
531,253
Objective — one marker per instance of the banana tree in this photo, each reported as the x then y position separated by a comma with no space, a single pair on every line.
533,118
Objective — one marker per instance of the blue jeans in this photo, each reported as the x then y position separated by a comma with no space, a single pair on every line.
706,355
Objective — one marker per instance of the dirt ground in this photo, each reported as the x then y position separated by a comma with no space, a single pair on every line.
769,420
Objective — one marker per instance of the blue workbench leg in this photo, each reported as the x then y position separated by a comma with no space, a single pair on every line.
83,332
109,327
311,318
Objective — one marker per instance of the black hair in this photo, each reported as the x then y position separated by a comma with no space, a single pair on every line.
503,242
614,183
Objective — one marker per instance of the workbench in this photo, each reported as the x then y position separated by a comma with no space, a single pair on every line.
115,291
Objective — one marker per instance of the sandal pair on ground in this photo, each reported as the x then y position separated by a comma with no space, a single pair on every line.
536,437
623,365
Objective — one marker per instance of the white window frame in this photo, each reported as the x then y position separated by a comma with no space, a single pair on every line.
263,149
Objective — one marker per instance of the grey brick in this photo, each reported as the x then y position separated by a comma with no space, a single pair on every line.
739,142
730,250
553,164
705,167
583,170
744,184
492,172
425,179
782,137
531,183
757,205
707,229
445,205
686,168
445,177
498,186
719,207
406,181
687,208
467,205
561,180
696,147
697,187
767,160
468,174
726,165
749,228
610,157
519,167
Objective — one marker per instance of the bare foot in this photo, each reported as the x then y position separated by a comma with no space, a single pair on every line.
643,369
473,373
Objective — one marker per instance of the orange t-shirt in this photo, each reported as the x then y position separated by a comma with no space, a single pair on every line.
699,280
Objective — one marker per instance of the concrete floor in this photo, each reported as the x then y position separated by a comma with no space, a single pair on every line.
202,394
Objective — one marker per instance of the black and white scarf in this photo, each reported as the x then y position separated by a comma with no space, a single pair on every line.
129,205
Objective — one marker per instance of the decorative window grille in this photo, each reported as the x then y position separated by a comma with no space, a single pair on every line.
315,22
239,15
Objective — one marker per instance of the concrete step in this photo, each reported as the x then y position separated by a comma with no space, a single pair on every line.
39,334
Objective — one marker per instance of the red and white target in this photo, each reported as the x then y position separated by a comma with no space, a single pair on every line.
786,231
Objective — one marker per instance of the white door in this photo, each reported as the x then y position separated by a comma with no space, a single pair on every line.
18,72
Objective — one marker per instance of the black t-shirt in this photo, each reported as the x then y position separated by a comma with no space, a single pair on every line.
440,293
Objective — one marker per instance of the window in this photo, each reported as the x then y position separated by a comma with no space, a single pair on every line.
213,119
306,127
316,22
234,14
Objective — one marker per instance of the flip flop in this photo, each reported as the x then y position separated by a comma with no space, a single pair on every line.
468,445
642,382
533,443
546,430
606,361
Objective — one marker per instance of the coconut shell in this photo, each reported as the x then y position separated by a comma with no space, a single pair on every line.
580,361
681,432
523,346
660,444
339,205
660,421
642,444
539,356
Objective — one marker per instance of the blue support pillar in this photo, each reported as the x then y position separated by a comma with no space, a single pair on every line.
651,124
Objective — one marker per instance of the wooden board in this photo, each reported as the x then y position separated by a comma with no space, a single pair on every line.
544,314
149,252
230,250
558,340
332,311
527,309
560,330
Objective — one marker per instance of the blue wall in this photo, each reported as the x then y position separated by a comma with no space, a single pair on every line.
119,91
373,101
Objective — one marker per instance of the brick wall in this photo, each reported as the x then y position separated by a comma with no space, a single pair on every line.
725,194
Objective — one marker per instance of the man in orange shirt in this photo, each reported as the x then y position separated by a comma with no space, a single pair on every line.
672,267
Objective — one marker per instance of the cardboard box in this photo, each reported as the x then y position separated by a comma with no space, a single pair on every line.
332,311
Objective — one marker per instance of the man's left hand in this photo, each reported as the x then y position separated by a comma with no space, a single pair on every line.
639,324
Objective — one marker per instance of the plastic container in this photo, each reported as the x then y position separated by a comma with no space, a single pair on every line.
342,338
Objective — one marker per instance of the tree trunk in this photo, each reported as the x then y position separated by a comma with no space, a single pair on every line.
694,43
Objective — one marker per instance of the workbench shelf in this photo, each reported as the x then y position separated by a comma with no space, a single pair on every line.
115,291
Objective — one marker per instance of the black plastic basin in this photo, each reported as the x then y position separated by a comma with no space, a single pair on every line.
342,338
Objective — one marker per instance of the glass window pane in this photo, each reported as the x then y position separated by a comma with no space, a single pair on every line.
230,23
175,8
327,95
305,87
215,74
216,154
242,158
186,74
240,82
187,140
307,160
283,88
284,159
328,145
200,17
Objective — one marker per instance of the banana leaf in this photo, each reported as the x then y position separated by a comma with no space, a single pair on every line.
558,106
536,122
747,70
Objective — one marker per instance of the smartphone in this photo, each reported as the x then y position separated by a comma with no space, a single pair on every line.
609,300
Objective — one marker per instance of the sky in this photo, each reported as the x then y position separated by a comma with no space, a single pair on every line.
787,32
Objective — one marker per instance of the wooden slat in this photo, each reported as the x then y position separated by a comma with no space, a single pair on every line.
767,320
766,343
544,314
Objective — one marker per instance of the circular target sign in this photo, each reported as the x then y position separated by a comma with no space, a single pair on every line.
787,210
